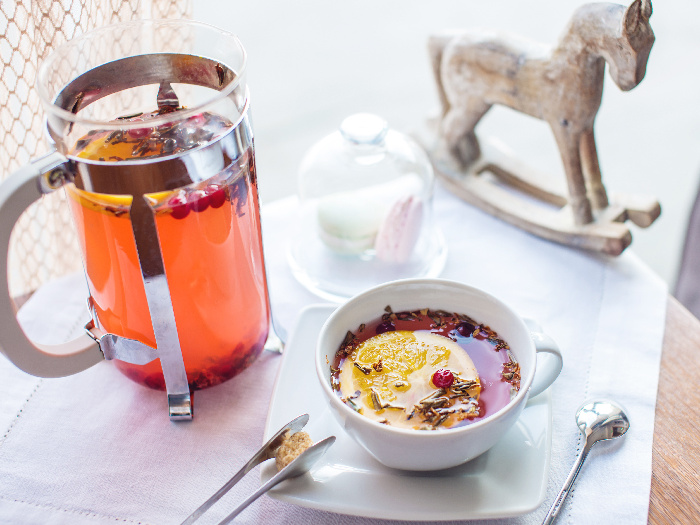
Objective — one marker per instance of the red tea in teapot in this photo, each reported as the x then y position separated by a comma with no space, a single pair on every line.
209,236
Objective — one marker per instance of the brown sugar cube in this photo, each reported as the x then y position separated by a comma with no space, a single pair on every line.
291,447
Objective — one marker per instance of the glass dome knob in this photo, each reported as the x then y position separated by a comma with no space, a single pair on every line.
364,128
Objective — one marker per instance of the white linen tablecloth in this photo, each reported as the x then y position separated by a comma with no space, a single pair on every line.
96,448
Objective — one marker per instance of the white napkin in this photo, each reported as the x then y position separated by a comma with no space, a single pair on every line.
97,448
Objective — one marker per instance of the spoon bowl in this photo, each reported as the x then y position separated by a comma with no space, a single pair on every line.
598,421
601,420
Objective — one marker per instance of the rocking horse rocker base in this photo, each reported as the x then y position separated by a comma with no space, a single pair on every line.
505,187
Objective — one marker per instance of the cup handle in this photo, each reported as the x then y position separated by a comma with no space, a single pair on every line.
547,370
17,193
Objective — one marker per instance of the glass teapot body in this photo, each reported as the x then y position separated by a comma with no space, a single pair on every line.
208,236
154,147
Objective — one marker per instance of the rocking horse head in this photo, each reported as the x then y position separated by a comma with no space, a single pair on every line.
627,49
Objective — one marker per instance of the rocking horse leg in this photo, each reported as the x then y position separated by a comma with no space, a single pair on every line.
458,140
568,148
591,171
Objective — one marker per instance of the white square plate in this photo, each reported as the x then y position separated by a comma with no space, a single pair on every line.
508,480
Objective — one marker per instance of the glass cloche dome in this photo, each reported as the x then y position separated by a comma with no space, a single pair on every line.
365,211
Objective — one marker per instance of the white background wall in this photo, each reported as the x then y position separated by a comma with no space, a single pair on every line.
313,62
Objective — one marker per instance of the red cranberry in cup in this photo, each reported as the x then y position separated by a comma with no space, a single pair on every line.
216,194
178,206
465,329
443,378
140,133
198,200
386,326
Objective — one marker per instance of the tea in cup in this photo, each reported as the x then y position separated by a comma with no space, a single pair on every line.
427,374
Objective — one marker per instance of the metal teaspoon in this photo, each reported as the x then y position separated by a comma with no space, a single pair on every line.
296,468
597,421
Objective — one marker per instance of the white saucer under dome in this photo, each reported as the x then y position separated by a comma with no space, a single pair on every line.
365,211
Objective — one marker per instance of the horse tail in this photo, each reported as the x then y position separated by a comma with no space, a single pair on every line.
436,47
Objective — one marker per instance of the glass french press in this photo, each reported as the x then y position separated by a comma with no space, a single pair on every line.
154,148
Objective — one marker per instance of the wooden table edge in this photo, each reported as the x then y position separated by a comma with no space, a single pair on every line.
675,479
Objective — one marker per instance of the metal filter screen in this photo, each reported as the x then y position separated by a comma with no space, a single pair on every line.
44,244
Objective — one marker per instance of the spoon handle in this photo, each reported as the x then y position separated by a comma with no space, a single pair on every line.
564,492
276,479
223,490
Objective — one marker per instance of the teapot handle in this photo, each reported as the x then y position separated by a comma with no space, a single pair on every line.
17,193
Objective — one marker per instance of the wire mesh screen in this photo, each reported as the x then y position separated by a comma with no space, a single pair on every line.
44,244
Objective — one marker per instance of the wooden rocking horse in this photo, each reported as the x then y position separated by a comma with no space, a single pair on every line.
562,86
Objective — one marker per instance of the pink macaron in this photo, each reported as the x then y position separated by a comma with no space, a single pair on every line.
400,230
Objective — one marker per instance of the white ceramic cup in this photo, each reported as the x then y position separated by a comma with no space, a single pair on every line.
409,449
